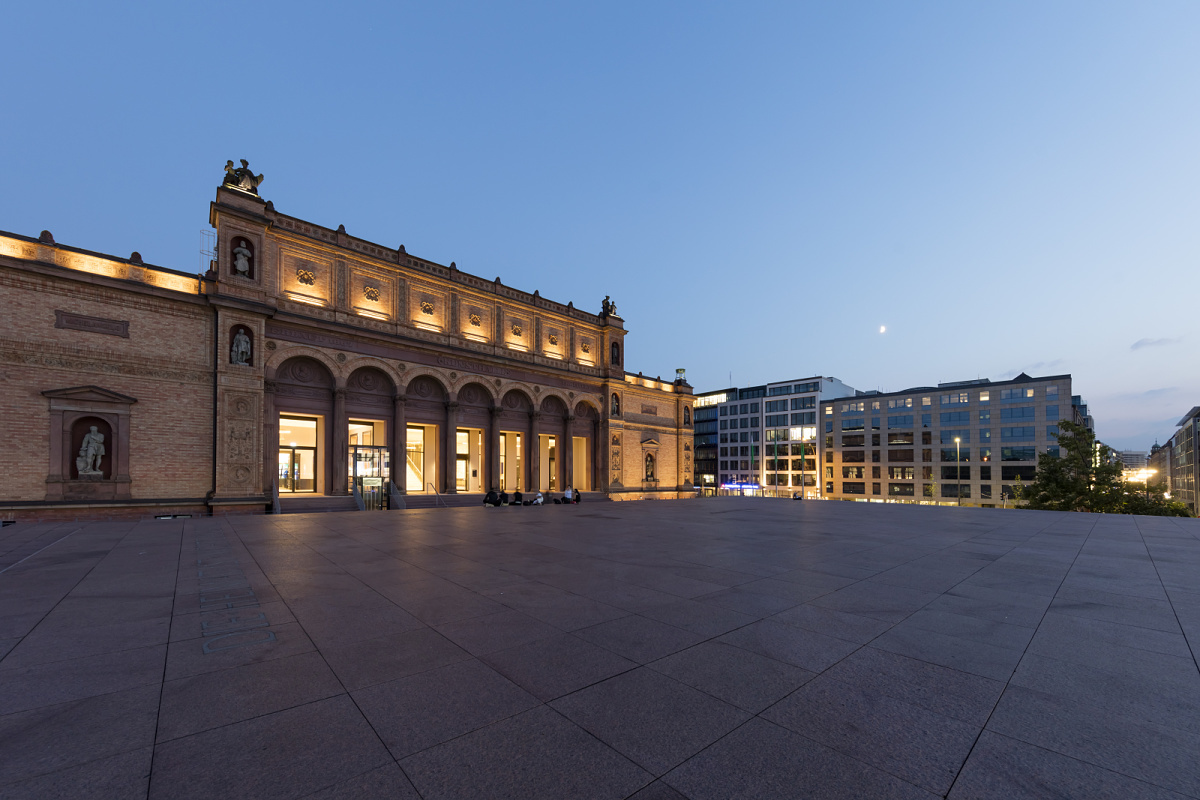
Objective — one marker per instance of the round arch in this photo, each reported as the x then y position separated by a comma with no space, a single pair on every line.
283,354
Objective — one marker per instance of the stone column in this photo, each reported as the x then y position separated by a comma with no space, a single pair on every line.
400,442
493,454
270,437
598,446
340,437
534,451
568,452
450,448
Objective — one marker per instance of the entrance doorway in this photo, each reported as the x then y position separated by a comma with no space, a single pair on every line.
370,470
511,474
468,462
297,454
549,462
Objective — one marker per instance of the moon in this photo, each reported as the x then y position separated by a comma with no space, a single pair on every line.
883,328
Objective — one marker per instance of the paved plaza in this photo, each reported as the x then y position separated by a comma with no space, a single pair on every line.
720,648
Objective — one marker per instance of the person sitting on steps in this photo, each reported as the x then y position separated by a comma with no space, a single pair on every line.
491,499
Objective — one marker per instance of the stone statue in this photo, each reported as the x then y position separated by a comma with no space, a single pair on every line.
241,177
241,259
240,352
90,453
649,466
616,406
606,307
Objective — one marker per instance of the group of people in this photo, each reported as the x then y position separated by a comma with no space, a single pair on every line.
496,499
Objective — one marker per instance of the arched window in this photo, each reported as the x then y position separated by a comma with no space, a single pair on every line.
241,257
616,353
616,405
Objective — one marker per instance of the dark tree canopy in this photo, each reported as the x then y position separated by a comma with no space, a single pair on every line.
1085,477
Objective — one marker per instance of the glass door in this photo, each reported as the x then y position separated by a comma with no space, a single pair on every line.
297,469
370,470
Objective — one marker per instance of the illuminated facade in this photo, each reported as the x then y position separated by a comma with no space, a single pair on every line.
311,364
967,443
762,438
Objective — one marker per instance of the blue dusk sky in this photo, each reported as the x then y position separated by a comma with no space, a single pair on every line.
1007,187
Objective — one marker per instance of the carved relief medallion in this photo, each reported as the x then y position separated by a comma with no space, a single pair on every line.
371,293
306,276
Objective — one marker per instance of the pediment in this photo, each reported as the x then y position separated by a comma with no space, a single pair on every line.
652,442
89,394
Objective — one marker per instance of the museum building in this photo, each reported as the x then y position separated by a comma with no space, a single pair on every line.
309,369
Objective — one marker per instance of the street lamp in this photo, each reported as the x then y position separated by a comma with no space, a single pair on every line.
958,468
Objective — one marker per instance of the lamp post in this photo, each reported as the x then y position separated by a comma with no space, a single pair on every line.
958,468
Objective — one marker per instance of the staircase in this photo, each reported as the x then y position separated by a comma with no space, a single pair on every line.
315,503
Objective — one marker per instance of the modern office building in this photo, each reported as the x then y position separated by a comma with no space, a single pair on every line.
1185,471
971,442
765,436
1133,459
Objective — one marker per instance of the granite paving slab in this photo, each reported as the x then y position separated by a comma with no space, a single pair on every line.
717,648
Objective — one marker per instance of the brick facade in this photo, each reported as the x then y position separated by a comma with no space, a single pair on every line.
330,326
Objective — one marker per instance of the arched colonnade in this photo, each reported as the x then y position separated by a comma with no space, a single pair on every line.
442,429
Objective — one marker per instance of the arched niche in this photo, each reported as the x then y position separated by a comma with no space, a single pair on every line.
369,391
242,260
615,353
241,346
73,413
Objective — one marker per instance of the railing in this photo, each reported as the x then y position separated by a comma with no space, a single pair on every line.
397,499
275,509
439,496
358,499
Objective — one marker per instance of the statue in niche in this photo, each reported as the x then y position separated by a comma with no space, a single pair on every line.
90,453
616,405
649,466
241,258
241,177
240,352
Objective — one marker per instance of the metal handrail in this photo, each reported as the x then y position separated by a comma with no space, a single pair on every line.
397,499
439,496
358,500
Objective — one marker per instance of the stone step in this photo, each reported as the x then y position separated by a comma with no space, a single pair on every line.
316,504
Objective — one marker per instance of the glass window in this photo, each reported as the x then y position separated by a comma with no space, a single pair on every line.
926,402
898,437
829,411
985,434
754,408
1018,412
854,440
855,424
948,436
1026,472
900,403
900,455
985,454
900,490
854,488
724,438
1051,431
799,403
902,473
956,490
829,426
956,473
1018,453
955,399
1051,413
956,417
1013,395
724,424
985,415
1023,434
1051,391
874,423
804,418
900,421
948,453
985,473
985,397
985,492
926,420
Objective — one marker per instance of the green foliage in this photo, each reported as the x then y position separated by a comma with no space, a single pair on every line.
1085,477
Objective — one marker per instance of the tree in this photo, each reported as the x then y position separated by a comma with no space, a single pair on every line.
1085,477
